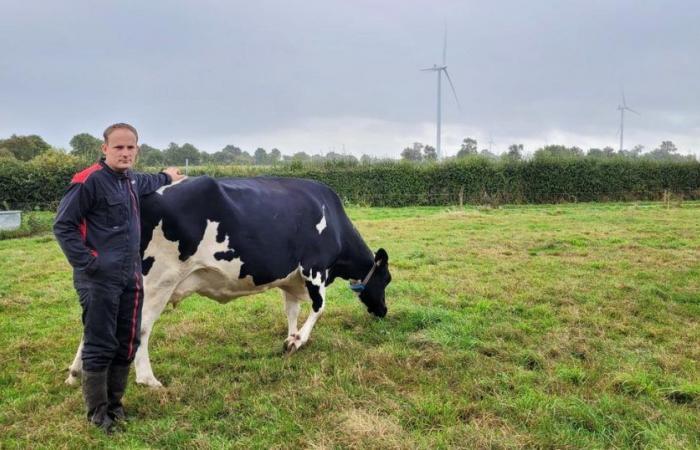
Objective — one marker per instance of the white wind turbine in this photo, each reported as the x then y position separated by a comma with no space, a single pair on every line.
440,70
622,108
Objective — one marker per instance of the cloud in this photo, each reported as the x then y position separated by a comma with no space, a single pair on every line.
322,74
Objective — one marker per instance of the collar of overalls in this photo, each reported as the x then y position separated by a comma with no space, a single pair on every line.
120,175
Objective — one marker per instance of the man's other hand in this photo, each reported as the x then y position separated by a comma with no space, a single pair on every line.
174,174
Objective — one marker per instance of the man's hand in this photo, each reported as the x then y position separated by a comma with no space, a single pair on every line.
174,174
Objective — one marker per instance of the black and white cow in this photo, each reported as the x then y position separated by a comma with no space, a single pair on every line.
229,238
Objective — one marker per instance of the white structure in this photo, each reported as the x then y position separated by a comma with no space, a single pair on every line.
440,70
622,108
10,220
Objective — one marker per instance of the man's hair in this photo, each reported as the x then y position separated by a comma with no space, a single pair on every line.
117,126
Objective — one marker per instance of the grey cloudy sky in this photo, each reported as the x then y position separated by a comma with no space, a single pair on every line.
320,75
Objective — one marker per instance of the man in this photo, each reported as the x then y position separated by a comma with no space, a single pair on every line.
97,226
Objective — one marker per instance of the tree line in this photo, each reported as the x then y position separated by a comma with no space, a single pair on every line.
86,148
667,150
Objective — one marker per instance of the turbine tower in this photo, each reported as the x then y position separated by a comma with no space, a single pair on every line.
622,108
440,69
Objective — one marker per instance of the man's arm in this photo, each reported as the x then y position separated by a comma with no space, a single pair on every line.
148,183
70,220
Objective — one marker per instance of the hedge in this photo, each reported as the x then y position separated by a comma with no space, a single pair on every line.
476,181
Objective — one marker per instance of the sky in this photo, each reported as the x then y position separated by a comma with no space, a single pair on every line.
344,76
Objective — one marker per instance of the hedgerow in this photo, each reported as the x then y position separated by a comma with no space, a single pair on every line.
474,180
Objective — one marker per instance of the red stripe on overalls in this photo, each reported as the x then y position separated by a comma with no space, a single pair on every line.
81,177
136,274
133,318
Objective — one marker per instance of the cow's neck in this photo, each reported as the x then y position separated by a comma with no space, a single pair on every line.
355,261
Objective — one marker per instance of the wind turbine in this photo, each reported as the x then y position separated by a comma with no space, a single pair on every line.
622,108
440,69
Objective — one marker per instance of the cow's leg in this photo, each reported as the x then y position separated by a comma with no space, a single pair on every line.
152,308
83,291
76,367
317,294
291,308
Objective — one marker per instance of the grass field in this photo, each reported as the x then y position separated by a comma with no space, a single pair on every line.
568,326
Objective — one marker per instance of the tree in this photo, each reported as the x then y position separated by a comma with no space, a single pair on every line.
514,153
333,156
25,147
177,155
429,153
260,156
668,147
245,158
300,156
227,155
86,147
635,152
367,159
667,150
6,155
414,153
607,152
54,157
190,153
275,156
150,156
558,151
468,148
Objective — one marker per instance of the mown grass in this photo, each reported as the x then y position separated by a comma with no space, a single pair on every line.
571,326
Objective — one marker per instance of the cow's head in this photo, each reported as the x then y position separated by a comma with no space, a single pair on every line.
373,293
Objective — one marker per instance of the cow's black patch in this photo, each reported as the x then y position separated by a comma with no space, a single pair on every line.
227,255
146,265
270,224
315,294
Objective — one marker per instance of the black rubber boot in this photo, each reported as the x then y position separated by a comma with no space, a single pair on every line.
116,386
95,395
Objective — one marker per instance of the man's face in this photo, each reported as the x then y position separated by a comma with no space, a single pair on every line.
120,150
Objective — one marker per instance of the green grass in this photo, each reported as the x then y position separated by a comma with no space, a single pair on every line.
571,326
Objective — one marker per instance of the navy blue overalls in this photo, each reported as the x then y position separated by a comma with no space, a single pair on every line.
98,229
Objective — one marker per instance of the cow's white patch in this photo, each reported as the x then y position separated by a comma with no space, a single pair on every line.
171,280
203,273
316,279
167,186
322,224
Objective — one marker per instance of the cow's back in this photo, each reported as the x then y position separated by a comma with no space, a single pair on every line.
273,225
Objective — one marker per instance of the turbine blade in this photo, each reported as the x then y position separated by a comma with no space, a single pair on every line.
631,110
624,102
429,69
453,88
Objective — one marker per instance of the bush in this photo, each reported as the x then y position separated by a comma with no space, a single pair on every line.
472,180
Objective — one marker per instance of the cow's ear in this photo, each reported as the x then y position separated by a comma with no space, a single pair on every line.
381,257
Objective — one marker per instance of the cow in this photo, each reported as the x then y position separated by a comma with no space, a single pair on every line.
227,238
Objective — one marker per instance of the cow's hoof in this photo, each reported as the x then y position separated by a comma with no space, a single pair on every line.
72,379
292,344
151,382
